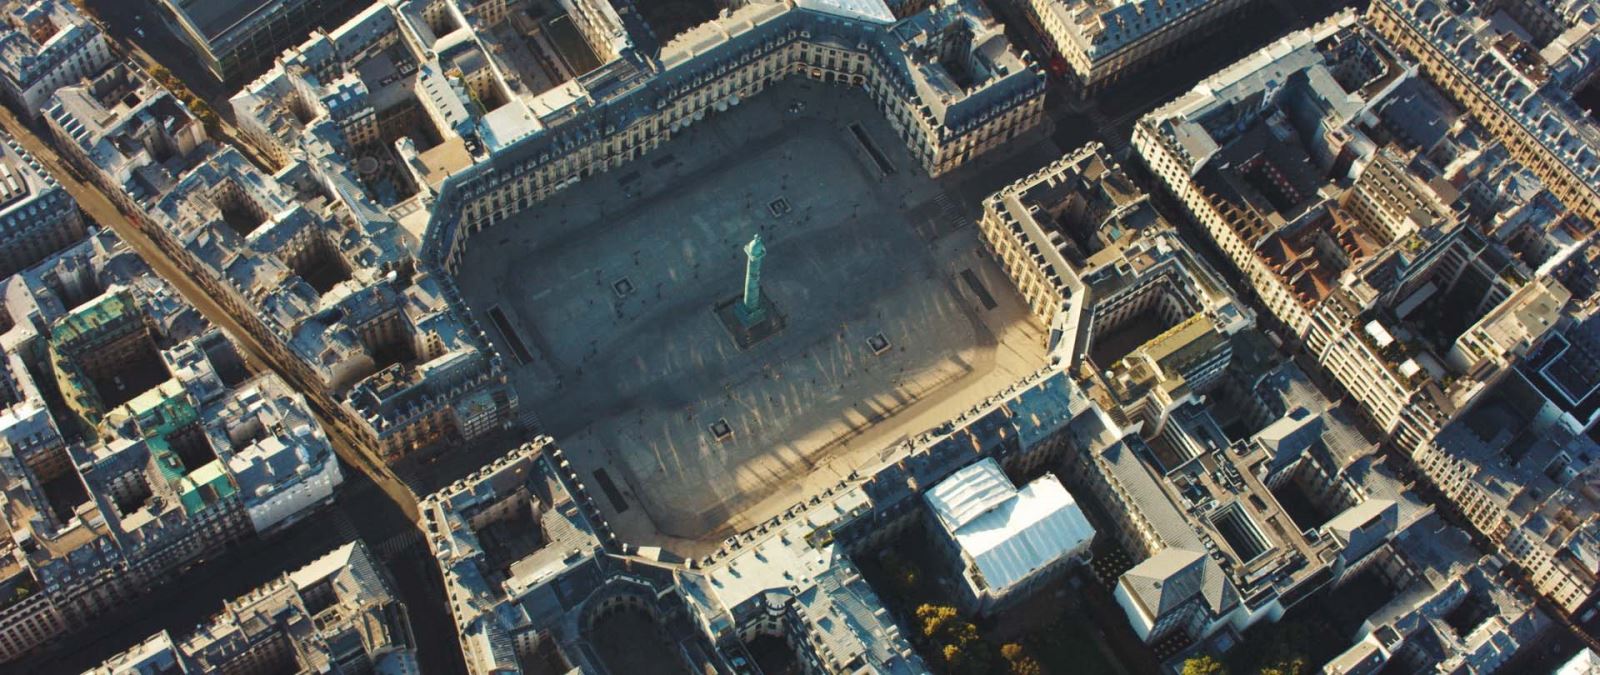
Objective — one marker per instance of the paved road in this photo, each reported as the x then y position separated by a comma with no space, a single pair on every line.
1109,116
120,19
159,47
99,208
363,508
191,599
1110,119
137,23
379,511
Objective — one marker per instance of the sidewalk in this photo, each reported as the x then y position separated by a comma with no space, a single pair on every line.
214,93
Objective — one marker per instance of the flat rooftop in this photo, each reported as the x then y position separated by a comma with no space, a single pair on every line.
216,17
610,289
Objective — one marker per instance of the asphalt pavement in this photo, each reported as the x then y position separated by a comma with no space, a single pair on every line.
363,508
379,513
1108,116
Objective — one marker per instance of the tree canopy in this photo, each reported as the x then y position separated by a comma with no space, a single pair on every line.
1204,665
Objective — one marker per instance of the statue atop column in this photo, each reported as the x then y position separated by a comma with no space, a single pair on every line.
751,310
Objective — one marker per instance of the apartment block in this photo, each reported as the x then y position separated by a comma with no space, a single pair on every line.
338,614
1515,464
37,217
234,38
1515,71
1102,268
1455,610
127,133
1105,42
1377,244
112,481
46,45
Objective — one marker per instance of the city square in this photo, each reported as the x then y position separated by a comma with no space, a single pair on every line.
894,317
779,336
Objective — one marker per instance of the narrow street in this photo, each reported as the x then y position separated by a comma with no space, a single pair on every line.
100,209
120,18
1109,115
378,510
381,510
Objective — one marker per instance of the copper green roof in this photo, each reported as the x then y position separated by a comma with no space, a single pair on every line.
85,320
204,488
162,410
167,461
81,331
79,393
197,490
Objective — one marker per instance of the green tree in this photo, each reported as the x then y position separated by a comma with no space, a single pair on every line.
904,575
957,642
1292,666
1204,665
1287,646
1018,660
962,633
935,620
966,659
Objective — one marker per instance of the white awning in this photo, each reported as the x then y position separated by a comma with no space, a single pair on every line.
1009,533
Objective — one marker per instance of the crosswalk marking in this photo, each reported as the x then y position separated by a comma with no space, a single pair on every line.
529,420
950,216
398,544
343,525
